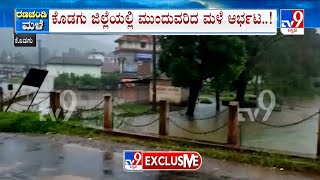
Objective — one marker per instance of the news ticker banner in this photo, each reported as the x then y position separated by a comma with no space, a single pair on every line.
138,161
211,22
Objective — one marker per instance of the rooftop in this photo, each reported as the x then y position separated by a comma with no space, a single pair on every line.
74,61
135,38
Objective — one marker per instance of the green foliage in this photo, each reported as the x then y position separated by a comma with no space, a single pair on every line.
289,65
66,81
133,110
110,80
29,122
72,81
204,100
89,80
188,58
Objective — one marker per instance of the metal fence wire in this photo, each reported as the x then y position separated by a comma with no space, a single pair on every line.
290,124
194,132
127,121
96,107
34,104
206,118
126,110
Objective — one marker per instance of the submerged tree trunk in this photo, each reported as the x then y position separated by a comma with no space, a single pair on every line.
217,89
256,84
194,91
241,86
217,99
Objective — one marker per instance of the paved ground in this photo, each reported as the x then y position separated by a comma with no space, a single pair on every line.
57,157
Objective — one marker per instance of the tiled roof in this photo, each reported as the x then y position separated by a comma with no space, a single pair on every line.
136,38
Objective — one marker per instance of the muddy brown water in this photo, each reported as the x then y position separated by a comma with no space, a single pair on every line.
301,138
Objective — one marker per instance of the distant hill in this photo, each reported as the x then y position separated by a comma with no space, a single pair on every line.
59,43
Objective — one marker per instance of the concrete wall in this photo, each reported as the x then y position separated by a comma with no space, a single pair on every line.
56,69
165,91
137,45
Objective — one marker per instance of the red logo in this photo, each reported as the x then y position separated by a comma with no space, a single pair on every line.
171,160
298,18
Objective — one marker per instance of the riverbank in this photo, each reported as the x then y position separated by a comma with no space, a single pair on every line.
29,123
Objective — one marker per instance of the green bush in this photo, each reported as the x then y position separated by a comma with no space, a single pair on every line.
89,80
110,80
204,100
72,81
29,122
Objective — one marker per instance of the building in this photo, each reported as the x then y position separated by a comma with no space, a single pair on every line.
78,66
108,67
13,69
134,55
110,58
97,55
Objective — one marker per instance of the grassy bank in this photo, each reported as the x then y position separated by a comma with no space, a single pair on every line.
29,123
132,110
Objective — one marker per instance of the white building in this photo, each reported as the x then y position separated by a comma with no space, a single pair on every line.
78,66
97,55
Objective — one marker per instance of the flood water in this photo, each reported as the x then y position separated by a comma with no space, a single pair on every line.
298,139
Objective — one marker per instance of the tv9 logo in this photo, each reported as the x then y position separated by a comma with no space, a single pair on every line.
132,160
67,107
292,21
253,114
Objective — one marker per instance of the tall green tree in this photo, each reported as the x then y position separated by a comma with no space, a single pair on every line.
188,60
288,67
285,62
256,47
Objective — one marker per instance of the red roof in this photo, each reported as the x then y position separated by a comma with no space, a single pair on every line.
136,38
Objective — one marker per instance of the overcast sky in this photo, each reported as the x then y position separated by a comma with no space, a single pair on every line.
106,39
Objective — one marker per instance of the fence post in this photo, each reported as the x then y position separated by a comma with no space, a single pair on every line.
1,99
52,101
163,118
318,146
58,104
55,104
233,124
107,112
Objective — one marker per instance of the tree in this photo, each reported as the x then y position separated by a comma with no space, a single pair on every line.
289,72
111,80
88,80
256,46
286,63
63,81
188,60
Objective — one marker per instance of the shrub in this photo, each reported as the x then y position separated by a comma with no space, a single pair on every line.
110,80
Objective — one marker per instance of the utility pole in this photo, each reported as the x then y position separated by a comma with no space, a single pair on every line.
154,77
39,51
